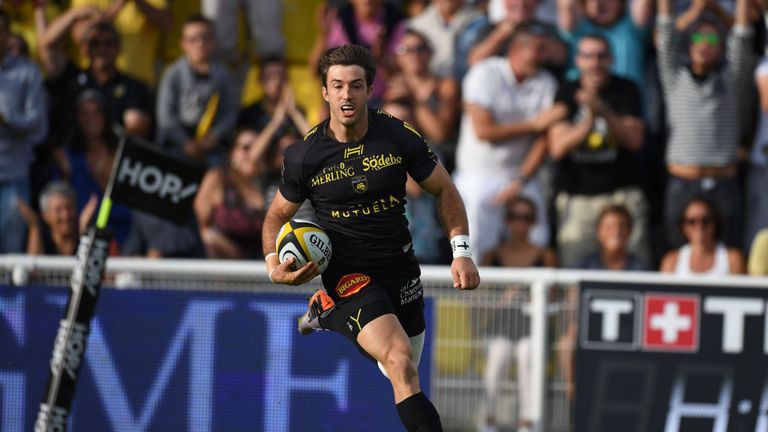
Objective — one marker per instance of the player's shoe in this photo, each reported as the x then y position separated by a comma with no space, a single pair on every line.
320,305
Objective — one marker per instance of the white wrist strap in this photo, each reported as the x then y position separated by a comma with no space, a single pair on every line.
266,258
460,246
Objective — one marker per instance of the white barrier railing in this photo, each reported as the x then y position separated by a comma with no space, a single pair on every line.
458,391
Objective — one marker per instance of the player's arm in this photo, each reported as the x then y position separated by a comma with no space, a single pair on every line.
450,208
280,212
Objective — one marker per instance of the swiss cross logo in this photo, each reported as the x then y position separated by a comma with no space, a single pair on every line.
671,322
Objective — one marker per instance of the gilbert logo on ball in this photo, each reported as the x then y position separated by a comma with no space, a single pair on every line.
305,241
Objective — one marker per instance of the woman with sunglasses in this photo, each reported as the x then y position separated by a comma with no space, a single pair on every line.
517,250
704,253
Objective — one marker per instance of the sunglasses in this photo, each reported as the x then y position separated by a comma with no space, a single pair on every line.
705,221
416,49
708,38
524,217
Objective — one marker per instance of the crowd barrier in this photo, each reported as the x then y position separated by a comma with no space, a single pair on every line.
211,345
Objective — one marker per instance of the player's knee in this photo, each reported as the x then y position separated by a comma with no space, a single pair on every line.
400,366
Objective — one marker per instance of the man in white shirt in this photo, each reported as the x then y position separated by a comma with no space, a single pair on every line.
507,107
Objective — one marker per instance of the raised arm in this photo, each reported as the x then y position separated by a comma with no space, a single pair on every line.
739,45
280,212
666,46
642,12
50,36
567,15
450,209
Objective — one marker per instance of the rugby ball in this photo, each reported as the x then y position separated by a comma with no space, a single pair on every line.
305,241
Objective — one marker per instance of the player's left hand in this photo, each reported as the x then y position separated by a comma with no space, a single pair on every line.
465,275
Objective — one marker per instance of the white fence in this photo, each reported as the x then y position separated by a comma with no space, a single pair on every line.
532,310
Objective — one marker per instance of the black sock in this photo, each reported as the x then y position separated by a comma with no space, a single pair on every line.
418,414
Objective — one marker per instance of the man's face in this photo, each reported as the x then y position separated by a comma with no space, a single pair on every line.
347,93
529,52
60,214
103,49
705,48
593,59
603,12
197,42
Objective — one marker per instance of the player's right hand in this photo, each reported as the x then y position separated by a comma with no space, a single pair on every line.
283,274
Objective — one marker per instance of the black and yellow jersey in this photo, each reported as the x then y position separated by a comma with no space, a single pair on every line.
358,188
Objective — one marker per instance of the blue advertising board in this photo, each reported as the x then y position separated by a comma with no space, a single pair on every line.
160,360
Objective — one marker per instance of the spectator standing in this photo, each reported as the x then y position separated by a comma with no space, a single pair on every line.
507,108
614,227
128,100
702,101
231,203
441,22
374,24
624,23
595,146
140,24
493,38
265,27
197,106
704,253
23,125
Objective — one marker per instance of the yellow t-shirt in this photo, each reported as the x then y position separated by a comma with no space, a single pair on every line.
758,255
140,40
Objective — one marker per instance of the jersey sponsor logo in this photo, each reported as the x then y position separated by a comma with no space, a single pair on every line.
375,207
351,284
360,184
353,151
411,128
332,174
411,291
381,161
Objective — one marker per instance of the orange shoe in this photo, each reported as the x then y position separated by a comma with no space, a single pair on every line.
320,305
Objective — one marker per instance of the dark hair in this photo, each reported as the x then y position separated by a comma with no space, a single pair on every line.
76,139
714,215
521,199
348,55
598,37
101,27
424,39
6,19
615,209
706,18
532,28
197,19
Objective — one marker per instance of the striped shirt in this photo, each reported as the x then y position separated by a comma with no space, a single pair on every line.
702,115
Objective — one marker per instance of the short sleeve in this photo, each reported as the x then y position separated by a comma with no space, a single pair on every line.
292,183
420,159
478,86
762,68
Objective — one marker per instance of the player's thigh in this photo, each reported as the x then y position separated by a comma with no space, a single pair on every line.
383,337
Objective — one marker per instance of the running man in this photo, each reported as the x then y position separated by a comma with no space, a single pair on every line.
353,167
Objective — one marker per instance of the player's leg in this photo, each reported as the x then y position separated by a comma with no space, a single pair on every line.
385,340
417,346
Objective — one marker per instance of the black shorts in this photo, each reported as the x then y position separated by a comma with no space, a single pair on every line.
363,293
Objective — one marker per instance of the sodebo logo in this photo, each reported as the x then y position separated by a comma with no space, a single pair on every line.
153,181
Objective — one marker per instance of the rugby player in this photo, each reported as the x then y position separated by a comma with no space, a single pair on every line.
353,168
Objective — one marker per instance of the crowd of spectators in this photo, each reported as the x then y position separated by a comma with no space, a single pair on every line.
611,134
